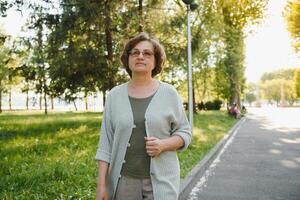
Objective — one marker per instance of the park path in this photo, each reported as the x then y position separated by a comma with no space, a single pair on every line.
260,162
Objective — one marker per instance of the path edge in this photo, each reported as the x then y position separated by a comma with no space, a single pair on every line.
187,184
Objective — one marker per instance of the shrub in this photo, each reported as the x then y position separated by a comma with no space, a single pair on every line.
213,105
209,105
201,106
217,103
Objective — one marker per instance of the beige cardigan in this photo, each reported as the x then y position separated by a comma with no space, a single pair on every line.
164,118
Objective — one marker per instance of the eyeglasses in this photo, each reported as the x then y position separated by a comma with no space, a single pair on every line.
146,53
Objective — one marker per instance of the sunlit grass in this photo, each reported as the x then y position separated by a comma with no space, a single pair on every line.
52,157
209,128
48,157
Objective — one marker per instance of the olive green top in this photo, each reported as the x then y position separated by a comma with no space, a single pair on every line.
137,161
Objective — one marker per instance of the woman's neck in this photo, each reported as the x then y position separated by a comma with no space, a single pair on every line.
141,81
142,87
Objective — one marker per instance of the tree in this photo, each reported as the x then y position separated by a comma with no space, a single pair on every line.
4,71
81,48
287,74
38,59
236,17
250,97
297,83
292,16
6,4
272,90
9,61
280,85
278,90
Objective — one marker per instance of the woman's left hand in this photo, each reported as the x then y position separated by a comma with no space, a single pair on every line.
154,146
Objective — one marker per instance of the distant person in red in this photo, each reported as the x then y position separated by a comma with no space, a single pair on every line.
234,111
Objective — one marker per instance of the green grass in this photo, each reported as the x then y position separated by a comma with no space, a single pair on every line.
52,157
209,129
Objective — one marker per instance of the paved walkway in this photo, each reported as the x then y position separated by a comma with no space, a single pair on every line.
260,162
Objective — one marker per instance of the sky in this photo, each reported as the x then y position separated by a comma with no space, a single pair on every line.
268,48
13,22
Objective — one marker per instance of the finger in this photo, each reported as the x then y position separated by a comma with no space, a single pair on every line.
150,143
151,152
151,148
152,155
150,138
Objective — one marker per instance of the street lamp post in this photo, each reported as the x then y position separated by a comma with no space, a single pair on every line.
190,6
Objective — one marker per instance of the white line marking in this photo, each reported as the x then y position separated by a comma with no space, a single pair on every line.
203,180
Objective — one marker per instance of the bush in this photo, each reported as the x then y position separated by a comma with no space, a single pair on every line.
213,105
209,105
217,103
201,106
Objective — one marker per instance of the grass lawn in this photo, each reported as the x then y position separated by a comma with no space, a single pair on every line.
52,157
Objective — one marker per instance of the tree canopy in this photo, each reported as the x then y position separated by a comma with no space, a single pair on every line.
292,16
76,44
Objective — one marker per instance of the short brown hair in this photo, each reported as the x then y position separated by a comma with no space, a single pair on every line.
159,52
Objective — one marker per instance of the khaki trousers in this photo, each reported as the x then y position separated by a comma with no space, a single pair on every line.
134,189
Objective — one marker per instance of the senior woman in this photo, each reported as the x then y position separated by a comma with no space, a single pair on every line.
143,126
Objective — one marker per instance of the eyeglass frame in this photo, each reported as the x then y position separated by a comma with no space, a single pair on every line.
136,53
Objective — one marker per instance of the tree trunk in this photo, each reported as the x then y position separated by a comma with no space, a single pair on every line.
0,99
75,105
109,46
86,101
45,101
9,99
194,101
52,103
235,90
103,97
41,99
141,20
27,99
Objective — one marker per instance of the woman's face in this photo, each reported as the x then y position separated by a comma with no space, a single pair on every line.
141,58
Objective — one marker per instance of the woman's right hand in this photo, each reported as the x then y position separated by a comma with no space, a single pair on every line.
102,193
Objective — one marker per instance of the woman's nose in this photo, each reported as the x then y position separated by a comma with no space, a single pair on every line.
141,55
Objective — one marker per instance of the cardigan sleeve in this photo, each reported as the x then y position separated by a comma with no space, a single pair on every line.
181,126
106,134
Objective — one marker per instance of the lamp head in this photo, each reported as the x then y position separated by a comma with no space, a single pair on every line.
193,6
187,1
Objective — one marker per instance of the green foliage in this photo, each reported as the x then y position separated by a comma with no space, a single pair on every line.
278,89
9,63
280,84
213,105
287,74
292,16
250,97
297,82
4,71
77,45
230,70
4,59
233,65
